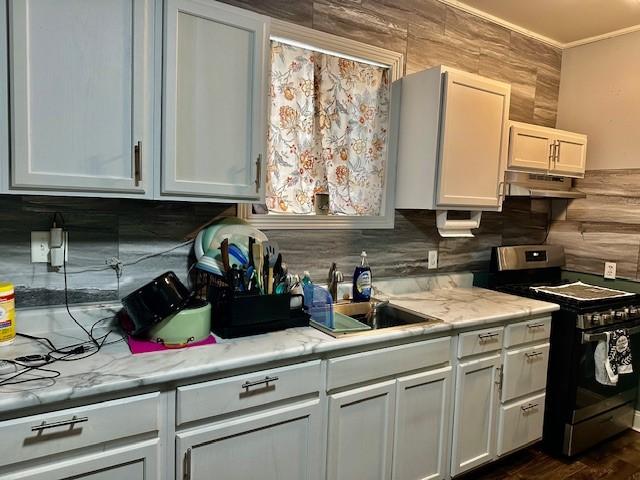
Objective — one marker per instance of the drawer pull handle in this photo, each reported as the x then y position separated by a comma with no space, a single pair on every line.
533,355
265,381
535,325
485,337
528,407
45,426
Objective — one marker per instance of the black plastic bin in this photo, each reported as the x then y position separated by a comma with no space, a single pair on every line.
240,315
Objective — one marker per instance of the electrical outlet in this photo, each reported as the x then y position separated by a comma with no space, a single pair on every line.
610,270
433,259
40,246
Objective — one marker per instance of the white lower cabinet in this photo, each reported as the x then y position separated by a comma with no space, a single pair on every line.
422,425
276,444
476,405
360,442
132,462
520,423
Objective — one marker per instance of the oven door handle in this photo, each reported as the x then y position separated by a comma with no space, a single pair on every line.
596,337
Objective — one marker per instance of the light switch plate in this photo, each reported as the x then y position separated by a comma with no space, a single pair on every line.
40,246
433,259
610,270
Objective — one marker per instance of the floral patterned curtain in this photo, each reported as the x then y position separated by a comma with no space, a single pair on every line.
327,132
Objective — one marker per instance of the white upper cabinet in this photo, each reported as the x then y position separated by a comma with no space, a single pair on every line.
81,88
453,141
4,102
214,102
546,150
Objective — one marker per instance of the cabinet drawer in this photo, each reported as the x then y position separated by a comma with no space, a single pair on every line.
525,371
520,423
526,332
36,436
208,399
480,341
361,367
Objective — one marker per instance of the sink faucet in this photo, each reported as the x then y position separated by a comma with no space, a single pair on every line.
335,277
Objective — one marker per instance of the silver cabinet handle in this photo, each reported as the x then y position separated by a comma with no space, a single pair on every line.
485,337
557,151
265,381
500,377
535,325
187,465
258,172
45,426
552,149
528,407
137,163
532,355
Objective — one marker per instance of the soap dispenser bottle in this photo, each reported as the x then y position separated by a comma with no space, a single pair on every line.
362,280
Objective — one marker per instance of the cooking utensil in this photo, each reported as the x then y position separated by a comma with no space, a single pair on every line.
153,302
224,252
265,275
252,242
271,250
258,262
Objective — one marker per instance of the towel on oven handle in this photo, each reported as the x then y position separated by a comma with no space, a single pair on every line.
613,357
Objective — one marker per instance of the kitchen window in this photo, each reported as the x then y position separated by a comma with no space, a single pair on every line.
331,149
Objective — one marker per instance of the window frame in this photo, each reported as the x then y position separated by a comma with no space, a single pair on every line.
311,38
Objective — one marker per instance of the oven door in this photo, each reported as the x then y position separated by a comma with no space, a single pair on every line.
593,398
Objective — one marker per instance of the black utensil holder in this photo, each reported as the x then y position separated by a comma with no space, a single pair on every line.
240,314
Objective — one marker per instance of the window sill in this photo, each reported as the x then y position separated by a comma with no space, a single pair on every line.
315,222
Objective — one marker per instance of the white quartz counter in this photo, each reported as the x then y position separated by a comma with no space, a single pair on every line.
114,368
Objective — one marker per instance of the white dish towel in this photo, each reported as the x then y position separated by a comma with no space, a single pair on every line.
613,357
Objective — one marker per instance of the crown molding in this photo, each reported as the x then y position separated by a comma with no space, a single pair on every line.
529,33
604,36
500,21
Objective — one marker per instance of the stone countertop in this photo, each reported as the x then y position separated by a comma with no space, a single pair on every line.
470,307
114,368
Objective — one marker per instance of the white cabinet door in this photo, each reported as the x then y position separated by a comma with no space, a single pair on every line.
4,102
571,155
278,444
361,423
474,141
530,149
81,84
421,441
474,420
215,93
520,423
130,462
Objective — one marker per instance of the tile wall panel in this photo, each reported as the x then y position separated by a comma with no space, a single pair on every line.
429,33
604,226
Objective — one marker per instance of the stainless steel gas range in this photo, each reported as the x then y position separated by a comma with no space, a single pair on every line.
580,412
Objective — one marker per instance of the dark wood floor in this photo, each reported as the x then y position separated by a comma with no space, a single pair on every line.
618,458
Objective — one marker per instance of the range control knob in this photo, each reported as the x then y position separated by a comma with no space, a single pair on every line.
607,317
595,319
621,315
633,311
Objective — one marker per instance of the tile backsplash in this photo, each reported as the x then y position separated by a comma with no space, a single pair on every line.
137,232
604,226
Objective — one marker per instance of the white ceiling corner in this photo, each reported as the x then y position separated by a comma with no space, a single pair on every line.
562,24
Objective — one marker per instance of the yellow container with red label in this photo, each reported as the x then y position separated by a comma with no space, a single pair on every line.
7,314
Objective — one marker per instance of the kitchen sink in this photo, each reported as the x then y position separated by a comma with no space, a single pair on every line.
374,315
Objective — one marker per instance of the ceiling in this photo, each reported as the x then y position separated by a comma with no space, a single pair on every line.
562,21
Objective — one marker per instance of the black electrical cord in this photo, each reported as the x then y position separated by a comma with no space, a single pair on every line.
91,346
